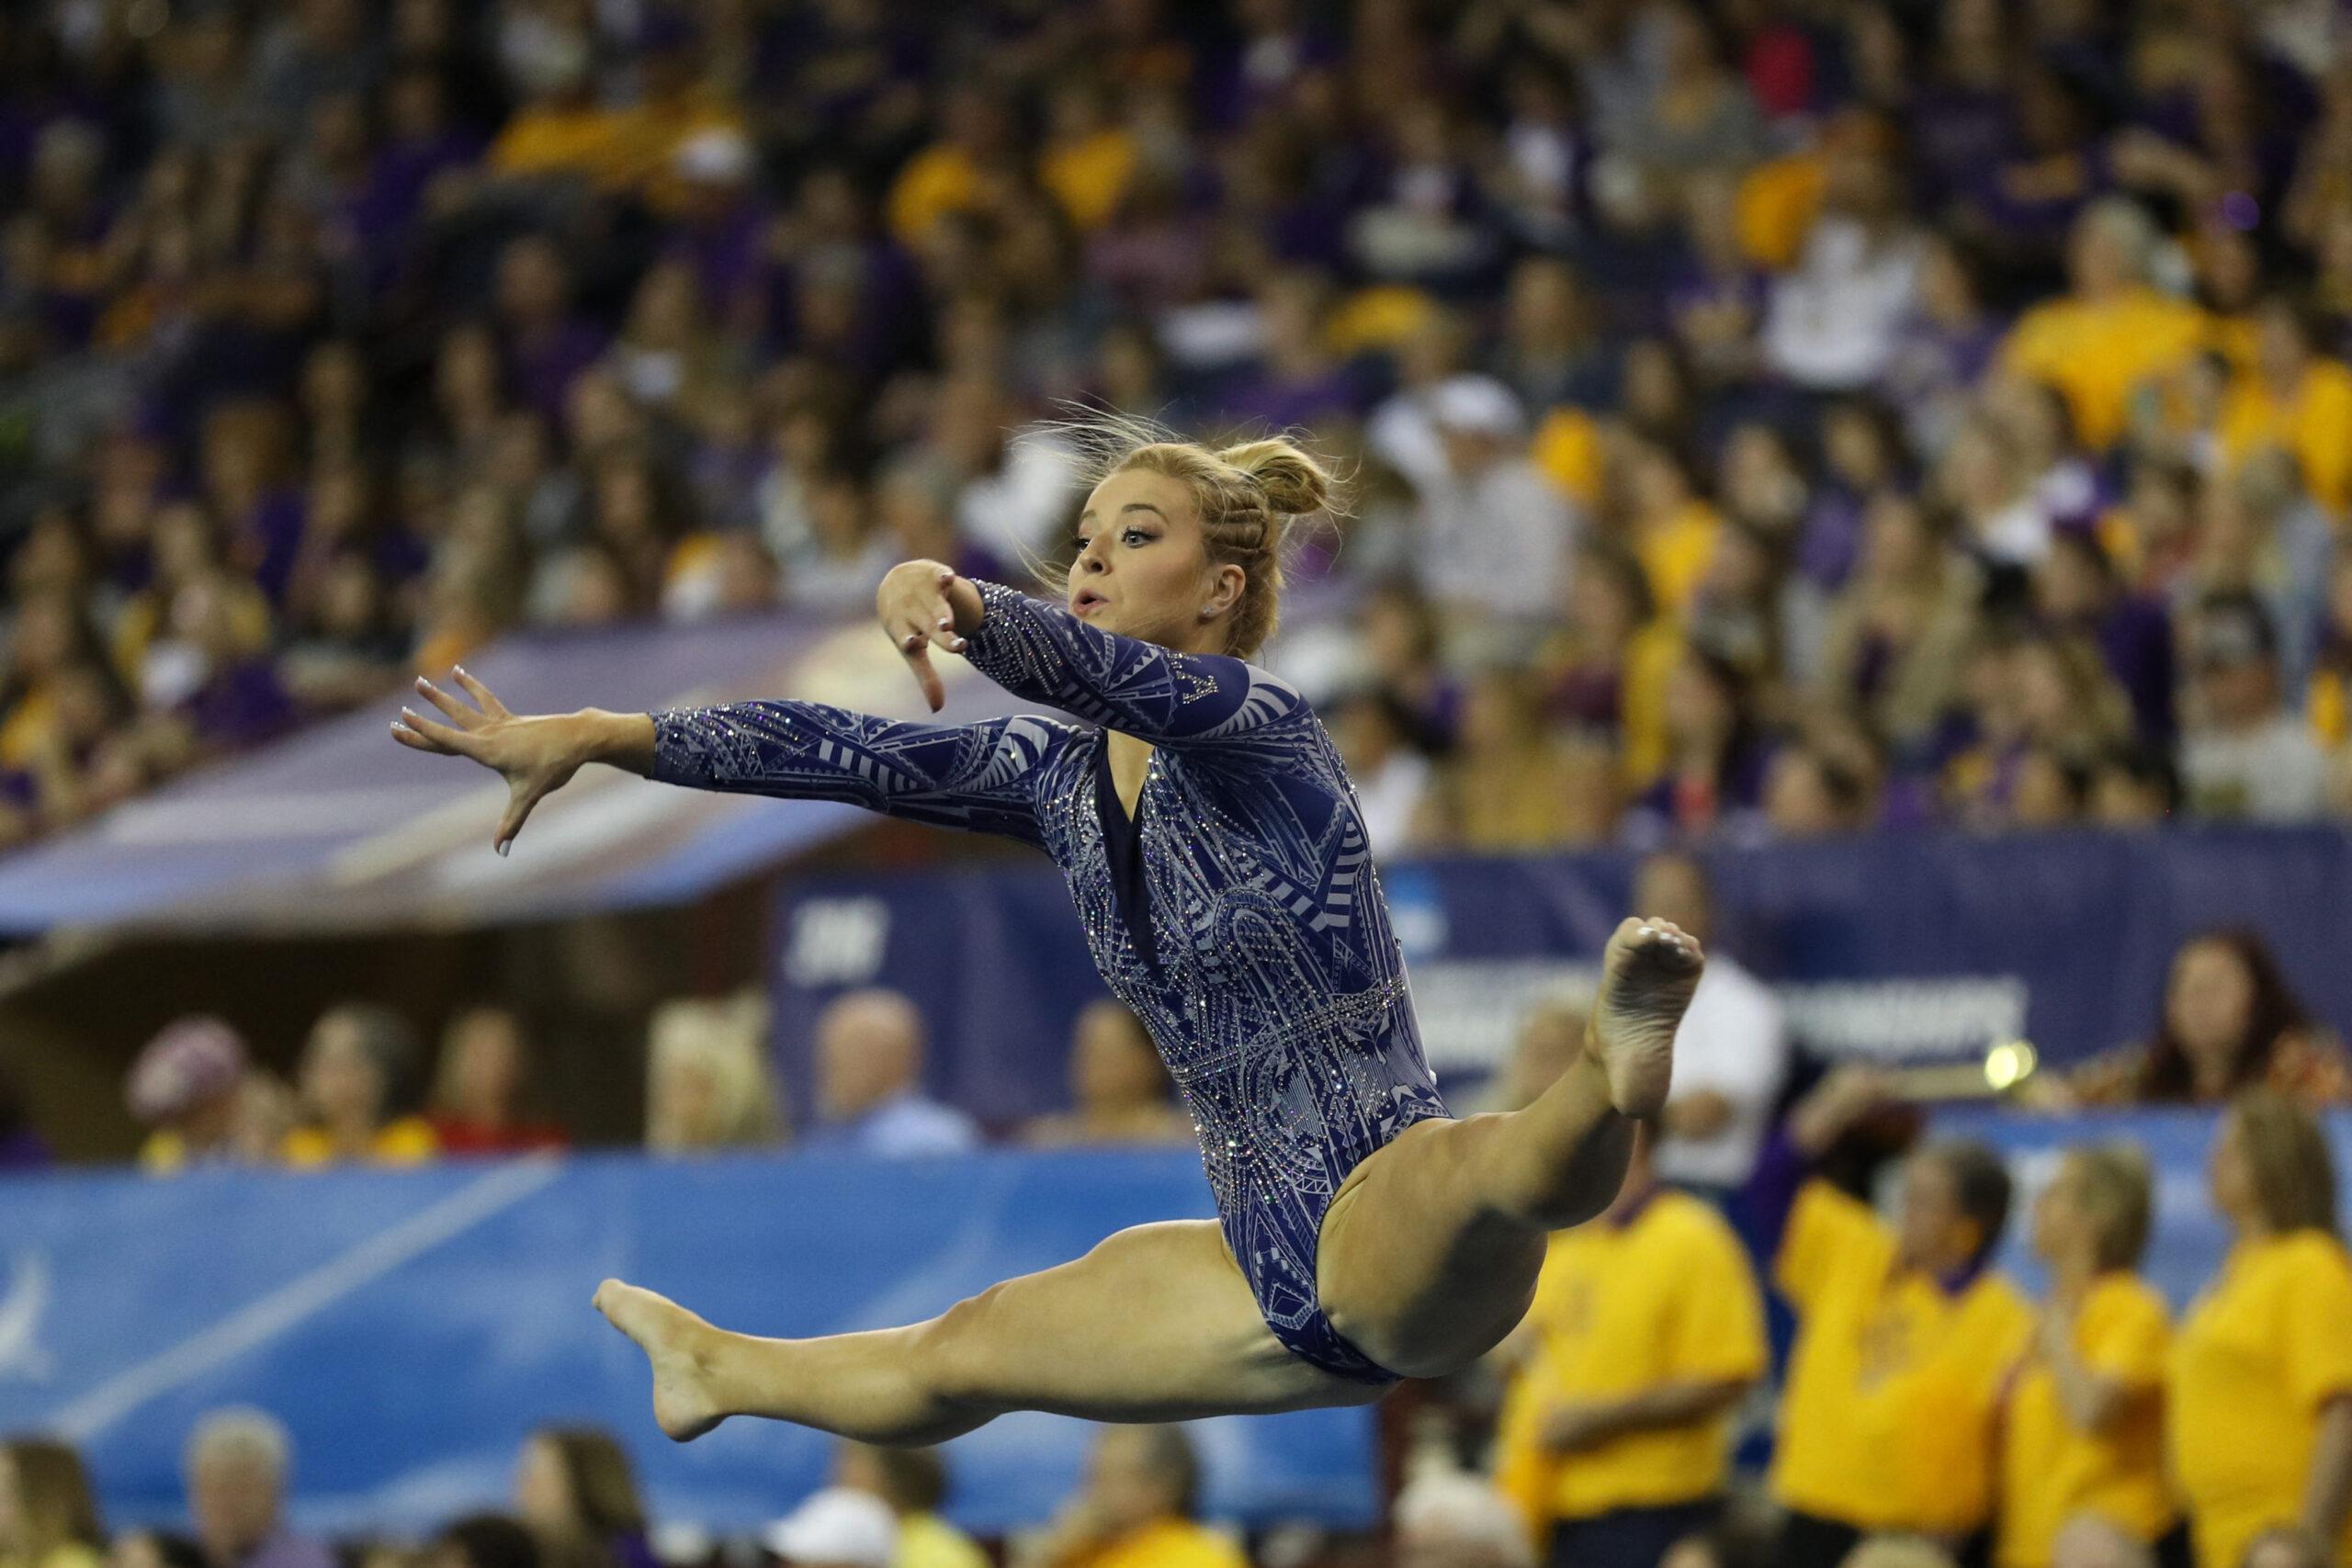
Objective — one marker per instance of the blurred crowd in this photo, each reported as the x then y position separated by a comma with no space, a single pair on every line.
1769,416
1926,1408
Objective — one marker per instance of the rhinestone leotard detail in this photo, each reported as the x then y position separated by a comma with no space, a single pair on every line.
1279,1002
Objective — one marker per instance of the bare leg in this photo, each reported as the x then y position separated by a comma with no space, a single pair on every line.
1156,1324
1429,1251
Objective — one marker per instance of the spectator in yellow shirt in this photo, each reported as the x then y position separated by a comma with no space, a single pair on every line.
1136,1509
2260,1384
1088,159
1648,1329
2291,399
356,1068
966,170
2113,330
1674,527
48,1518
913,1482
2082,1430
1905,1336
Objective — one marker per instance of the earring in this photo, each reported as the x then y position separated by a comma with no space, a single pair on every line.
1208,615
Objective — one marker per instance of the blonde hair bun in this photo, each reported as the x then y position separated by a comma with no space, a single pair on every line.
1294,483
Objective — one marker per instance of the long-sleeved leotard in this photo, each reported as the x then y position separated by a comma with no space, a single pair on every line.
1275,991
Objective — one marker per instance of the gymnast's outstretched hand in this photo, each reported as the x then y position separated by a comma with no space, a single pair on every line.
923,605
536,753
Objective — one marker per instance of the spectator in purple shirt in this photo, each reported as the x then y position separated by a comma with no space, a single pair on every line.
238,1460
2075,590
545,345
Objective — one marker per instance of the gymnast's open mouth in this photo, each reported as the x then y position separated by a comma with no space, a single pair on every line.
1085,600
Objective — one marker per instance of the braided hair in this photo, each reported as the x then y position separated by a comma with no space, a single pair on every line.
1245,494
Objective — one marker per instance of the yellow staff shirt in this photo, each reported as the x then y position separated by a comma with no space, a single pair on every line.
409,1140
2314,423
2266,1344
1664,1297
2098,354
2051,1470
1165,1543
926,1541
1887,1419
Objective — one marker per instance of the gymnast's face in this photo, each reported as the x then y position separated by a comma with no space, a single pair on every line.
1143,568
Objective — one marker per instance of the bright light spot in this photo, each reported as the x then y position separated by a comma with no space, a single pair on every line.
2009,1064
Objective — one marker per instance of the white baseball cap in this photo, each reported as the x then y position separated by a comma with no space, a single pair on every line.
1475,405
837,1526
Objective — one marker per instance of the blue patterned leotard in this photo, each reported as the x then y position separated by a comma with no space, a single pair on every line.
1272,984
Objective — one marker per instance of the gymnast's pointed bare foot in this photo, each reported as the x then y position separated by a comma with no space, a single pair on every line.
679,1345
1647,978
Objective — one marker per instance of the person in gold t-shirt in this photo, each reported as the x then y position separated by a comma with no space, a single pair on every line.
1136,1509
2113,330
1647,1328
2082,1428
2259,1390
356,1068
1905,1334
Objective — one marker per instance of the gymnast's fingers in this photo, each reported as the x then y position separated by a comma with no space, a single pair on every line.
479,693
459,713
919,658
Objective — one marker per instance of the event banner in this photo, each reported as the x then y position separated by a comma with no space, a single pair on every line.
410,1327
1901,948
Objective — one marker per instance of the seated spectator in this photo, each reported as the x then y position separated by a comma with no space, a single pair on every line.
1730,1052
1494,534
708,1082
188,1087
2243,753
2259,1391
1392,779
1905,1336
482,1089
1674,525
1448,1519
836,1527
2291,399
2133,786
1136,1509
1615,1440
1834,319
1715,754
1813,791
356,1072
1512,784
2082,1431
2227,1021
2077,593
869,1083
2113,330
48,1517
1892,649
1607,670
576,1492
913,1482
1121,1088
483,1540
239,1461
